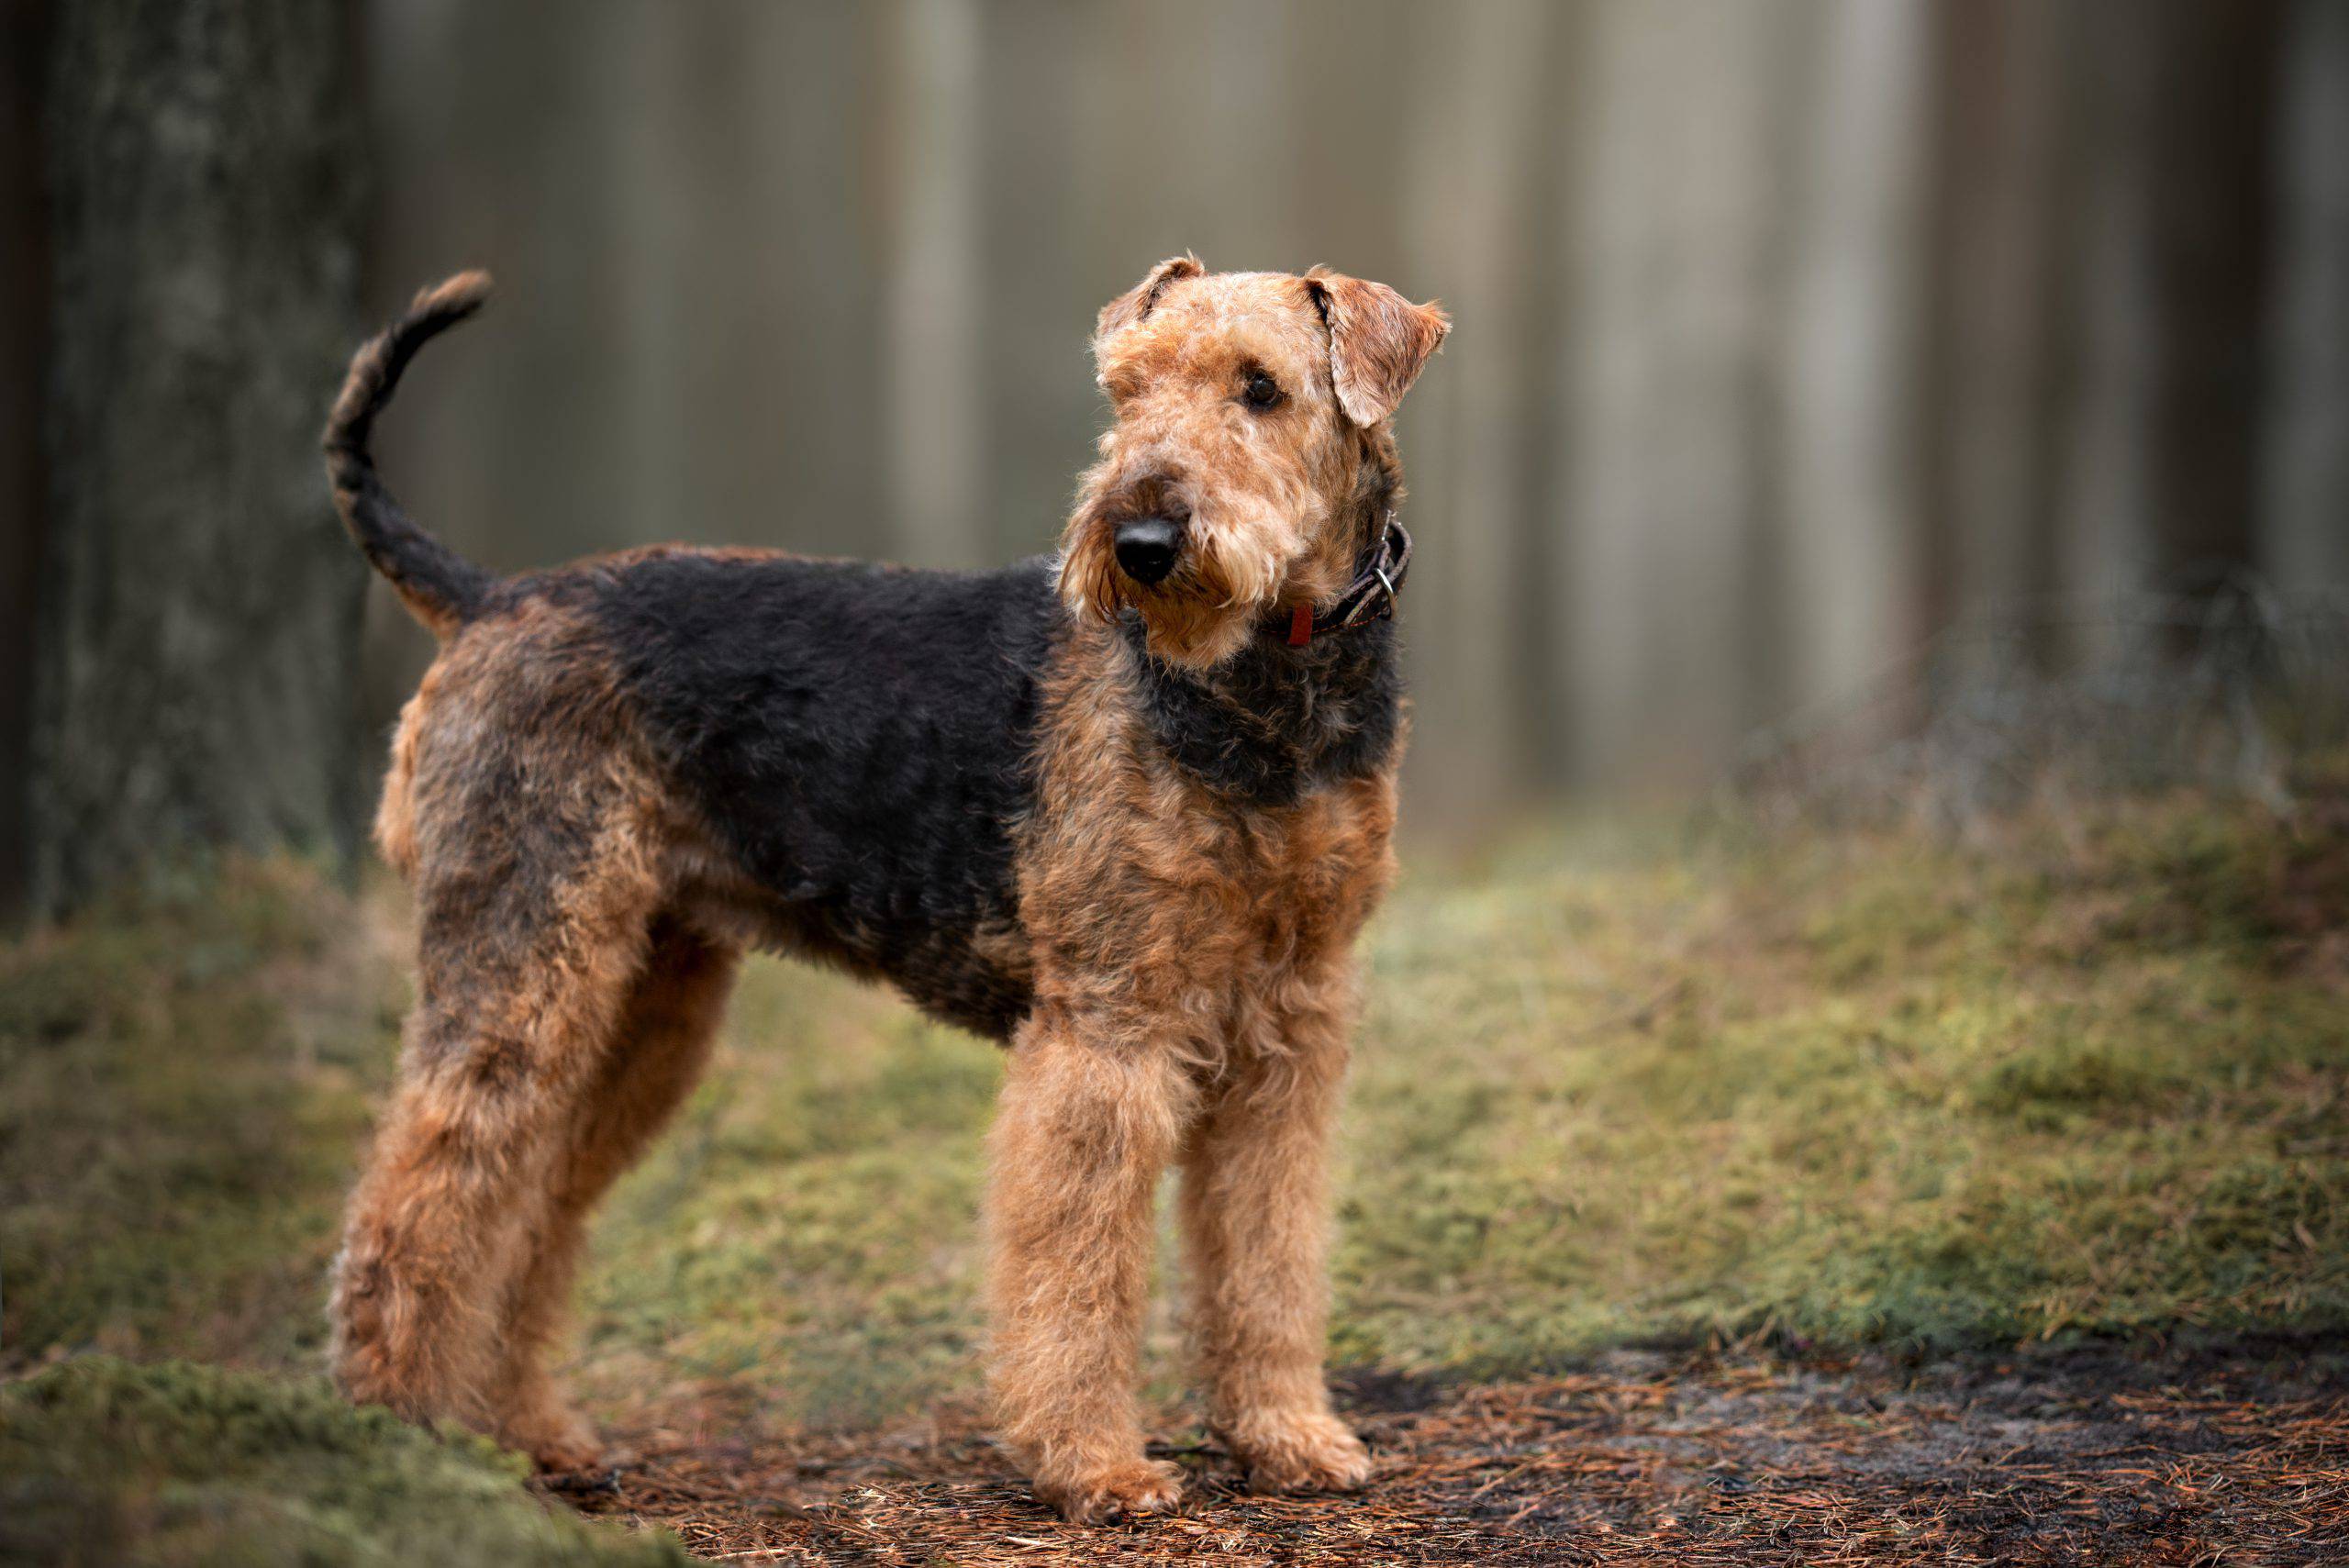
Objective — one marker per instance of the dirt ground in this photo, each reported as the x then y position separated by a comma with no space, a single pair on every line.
2206,1453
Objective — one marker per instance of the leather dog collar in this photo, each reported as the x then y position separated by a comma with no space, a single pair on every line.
1370,597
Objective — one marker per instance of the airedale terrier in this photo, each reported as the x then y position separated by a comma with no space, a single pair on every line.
1125,810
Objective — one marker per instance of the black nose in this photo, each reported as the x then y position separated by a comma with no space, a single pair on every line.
1147,548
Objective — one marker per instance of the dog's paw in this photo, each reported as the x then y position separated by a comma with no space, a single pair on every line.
1123,1490
559,1442
1299,1451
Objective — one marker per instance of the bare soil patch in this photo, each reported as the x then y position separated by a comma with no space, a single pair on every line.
2207,1453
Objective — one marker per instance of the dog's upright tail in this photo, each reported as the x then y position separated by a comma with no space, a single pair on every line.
441,589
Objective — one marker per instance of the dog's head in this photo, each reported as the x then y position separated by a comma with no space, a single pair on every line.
1230,486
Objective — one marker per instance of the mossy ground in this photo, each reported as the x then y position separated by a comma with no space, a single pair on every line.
1848,1090
103,1463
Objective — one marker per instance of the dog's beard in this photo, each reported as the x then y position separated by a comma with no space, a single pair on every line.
1205,609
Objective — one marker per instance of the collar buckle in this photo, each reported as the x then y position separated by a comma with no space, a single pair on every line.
1369,598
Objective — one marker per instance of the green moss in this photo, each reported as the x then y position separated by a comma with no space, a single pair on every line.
2050,1081
178,1115
814,1225
1856,1090
109,1465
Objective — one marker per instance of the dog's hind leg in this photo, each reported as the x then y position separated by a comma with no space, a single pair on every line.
531,947
658,1048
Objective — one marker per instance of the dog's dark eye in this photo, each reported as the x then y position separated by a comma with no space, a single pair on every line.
1262,391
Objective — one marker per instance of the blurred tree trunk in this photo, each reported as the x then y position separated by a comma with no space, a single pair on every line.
2170,175
200,608
2305,532
1032,258
1467,181
23,299
1991,262
1852,528
2216,80
1670,501
2106,317
938,461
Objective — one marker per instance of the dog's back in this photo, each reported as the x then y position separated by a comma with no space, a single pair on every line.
857,740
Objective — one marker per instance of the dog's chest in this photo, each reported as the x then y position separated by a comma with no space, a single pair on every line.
1147,883
1186,897
1308,875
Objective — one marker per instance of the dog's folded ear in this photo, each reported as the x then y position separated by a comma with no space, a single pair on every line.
1137,302
1378,342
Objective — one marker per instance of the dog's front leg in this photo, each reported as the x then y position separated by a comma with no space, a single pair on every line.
1089,1118
1255,1232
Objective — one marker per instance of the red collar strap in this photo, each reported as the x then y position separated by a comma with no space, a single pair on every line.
1369,598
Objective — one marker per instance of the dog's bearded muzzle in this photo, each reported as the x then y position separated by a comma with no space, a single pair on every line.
1200,580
